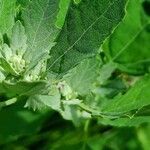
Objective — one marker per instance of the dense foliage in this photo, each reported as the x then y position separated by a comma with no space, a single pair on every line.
74,74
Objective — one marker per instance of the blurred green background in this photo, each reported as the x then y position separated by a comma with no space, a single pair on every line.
48,131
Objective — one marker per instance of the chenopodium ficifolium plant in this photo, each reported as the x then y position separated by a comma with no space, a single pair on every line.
65,55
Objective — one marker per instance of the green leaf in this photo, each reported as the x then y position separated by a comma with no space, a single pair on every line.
11,58
1,40
77,1
7,67
8,102
39,19
2,74
23,88
87,25
106,72
129,44
82,77
136,98
71,112
40,102
124,122
110,88
18,39
23,3
63,8
66,91
7,14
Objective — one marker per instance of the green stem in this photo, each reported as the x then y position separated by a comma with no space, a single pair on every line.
86,132
89,110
